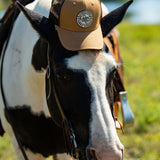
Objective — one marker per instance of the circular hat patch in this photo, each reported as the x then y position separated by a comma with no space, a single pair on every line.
84,19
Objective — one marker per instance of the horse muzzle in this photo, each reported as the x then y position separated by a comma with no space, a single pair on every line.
93,155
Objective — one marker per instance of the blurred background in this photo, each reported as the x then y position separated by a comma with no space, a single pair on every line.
140,49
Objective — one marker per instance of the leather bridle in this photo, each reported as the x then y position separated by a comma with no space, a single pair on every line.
111,42
69,136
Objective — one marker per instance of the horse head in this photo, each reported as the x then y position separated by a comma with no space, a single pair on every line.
82,72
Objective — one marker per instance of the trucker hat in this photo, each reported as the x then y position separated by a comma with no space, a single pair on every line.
78,23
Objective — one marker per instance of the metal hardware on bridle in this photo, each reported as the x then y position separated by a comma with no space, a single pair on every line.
128,116
48,71
48,74
69,135
8,13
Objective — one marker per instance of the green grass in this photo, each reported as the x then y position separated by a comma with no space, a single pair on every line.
6,149
140,49
4,4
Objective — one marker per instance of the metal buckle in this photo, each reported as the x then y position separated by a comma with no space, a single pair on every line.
48,71
128,117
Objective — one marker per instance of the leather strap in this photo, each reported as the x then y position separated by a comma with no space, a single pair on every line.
113,46
114,49
69,136
7,14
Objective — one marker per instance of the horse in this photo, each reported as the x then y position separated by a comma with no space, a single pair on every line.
49,84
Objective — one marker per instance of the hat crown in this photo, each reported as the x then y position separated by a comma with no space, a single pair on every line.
80,15
78,23
77,15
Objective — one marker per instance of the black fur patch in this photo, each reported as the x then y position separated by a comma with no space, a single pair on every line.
39,57
75,97
73,92
1,129
36,132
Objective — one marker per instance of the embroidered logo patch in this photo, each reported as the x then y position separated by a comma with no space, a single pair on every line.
84,19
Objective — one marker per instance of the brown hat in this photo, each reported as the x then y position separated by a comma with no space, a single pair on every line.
78,23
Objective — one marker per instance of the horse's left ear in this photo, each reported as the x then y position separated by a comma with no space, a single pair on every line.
40,23
109,21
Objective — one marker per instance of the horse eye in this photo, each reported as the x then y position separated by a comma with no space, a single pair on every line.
113,73
58,75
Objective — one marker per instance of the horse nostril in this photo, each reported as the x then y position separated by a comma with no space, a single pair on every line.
92,154
122,153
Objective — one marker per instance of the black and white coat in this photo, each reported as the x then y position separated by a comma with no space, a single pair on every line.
87,76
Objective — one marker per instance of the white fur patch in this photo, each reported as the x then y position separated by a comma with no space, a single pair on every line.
104,10
22,84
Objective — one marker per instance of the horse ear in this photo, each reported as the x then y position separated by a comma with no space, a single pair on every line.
109,21
40,23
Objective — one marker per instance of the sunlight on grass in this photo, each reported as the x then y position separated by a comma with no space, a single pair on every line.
4,4
140,51
6,149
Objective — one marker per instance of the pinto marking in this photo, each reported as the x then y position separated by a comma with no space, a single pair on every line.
17,65
81,79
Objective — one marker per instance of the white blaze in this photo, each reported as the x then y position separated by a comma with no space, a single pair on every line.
103,136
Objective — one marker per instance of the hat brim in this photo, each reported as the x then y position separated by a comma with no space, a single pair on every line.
75,41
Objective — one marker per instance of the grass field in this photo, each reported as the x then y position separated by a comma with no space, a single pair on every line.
140,49
4,4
